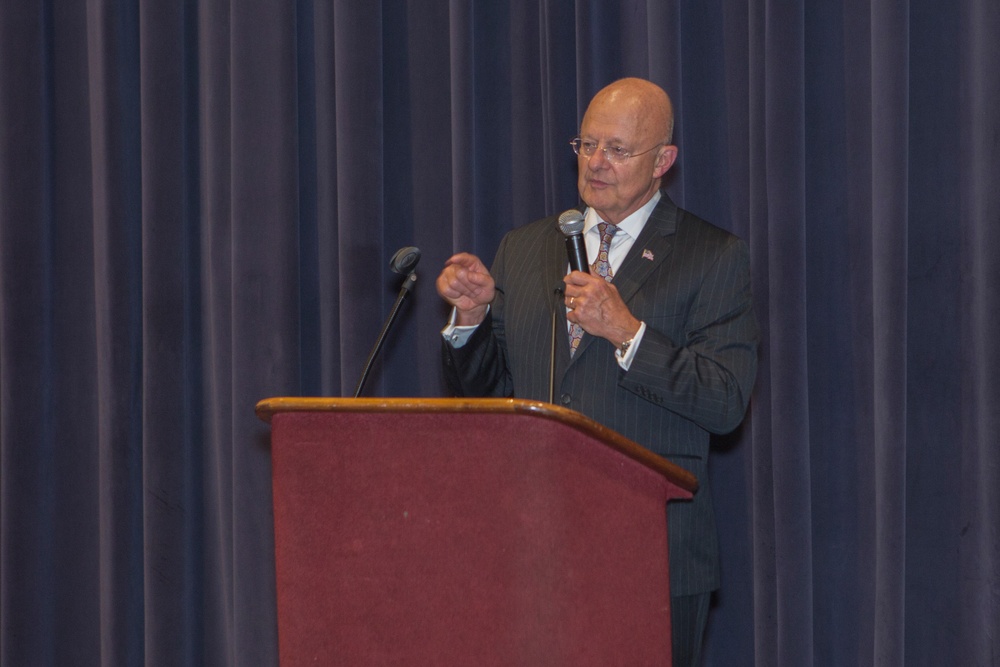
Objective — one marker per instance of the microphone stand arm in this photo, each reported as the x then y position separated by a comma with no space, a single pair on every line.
411,279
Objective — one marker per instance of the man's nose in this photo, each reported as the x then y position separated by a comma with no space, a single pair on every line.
598,160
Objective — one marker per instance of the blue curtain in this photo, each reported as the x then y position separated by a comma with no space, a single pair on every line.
198,202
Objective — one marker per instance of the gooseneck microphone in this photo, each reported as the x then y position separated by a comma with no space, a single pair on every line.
557,303
403,262
571,225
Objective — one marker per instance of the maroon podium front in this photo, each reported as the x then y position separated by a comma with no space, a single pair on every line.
466,532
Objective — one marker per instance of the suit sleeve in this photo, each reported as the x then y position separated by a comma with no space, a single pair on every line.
479,368
704,370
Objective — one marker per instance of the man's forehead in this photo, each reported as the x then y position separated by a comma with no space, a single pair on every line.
610,125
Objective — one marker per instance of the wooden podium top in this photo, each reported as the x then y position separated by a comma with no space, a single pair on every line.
268,407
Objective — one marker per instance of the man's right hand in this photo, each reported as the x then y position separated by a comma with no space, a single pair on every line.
467,285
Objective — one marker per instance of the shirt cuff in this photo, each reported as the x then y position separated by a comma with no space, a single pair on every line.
456,335
625,360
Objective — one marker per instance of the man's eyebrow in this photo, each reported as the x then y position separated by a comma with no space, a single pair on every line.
612,141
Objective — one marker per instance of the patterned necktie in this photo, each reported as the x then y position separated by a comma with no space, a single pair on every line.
601,267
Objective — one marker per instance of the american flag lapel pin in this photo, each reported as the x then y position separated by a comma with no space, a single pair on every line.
647,254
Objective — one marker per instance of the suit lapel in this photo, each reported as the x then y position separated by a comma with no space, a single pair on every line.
653,246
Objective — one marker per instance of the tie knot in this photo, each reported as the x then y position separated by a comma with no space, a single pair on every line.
607,230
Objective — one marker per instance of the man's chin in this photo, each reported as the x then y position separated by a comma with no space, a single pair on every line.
595,194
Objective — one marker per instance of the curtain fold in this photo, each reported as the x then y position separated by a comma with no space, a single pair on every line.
782,161
25,350
978,522
171,320
109,92
263,285
890,174
199,200
223,635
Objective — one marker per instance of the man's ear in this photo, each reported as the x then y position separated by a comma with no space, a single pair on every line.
664,160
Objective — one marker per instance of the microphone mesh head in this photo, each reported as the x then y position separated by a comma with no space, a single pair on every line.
405,260
571,222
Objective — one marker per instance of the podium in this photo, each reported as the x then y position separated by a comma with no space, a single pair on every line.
466,532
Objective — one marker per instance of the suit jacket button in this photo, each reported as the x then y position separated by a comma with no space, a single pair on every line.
566,399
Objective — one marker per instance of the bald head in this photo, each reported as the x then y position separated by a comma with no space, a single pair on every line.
646,104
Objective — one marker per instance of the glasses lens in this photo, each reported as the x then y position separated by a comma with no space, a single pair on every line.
584,148
616,154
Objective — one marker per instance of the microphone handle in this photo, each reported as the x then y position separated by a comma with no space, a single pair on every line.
404,290
577,251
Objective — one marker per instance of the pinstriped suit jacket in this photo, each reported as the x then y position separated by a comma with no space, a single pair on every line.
692,375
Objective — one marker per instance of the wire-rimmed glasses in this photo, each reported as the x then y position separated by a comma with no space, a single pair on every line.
614,154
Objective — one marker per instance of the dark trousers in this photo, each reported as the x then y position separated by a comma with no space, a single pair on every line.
688,619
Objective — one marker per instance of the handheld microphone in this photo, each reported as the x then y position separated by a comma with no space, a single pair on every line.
403,262
571,225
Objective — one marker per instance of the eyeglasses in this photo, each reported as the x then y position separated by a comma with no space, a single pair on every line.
614,154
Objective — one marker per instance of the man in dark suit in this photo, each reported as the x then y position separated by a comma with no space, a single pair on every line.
658,341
